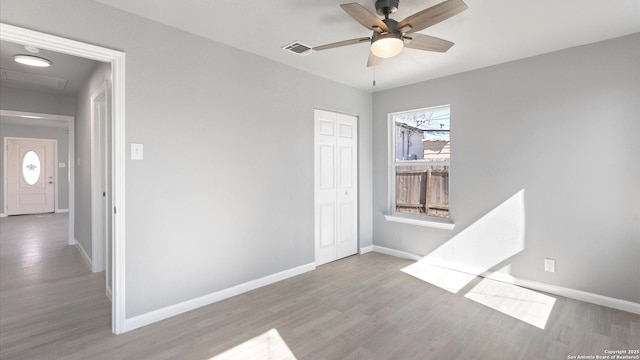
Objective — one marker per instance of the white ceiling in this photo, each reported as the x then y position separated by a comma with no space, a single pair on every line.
489,32
72,70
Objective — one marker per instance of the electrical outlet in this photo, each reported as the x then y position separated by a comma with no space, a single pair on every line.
549,265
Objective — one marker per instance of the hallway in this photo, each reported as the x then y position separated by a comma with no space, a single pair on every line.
48,294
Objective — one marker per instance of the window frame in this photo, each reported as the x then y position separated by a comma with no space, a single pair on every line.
405,218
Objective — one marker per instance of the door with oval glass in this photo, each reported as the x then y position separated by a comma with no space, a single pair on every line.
30,176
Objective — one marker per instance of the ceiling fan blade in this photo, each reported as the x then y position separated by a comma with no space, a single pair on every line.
364,17
426,42
341,43
373,60
431,16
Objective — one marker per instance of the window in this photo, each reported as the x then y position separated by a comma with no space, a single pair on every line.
31,167
419,163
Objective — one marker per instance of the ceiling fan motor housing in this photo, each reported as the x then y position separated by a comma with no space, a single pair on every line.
386,7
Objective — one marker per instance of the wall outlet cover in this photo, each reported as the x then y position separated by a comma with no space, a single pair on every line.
549,265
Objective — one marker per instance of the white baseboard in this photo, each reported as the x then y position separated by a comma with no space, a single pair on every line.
85,257
177,309
59,211
3,215
597,299
396,253
366,249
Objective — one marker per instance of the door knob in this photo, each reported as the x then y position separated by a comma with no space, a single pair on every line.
50,182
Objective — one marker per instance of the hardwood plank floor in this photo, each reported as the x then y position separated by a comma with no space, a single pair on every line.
362,307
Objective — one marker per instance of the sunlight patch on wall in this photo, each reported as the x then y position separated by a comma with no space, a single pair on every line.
443,278
476,250
492,239
267,346
523,304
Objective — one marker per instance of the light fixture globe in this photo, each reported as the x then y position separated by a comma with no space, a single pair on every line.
387,45
32,60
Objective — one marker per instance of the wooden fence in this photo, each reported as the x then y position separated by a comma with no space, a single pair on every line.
423,191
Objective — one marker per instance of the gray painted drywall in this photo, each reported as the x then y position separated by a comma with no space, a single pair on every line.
202,213
36,101
545,162
82,231
42,132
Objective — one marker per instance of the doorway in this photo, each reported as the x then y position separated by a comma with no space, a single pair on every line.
31,177
116,59
335,185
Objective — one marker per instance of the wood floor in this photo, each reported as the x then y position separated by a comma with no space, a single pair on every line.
362,307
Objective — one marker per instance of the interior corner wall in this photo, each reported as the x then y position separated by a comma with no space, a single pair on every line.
204,212
82,207
42,132
563,130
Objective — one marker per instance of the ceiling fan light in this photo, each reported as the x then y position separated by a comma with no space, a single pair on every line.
386,47
32,60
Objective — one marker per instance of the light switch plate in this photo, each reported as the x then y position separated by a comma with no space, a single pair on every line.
61,165
549,265
136,152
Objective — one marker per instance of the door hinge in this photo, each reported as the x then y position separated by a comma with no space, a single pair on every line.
104,194
114,210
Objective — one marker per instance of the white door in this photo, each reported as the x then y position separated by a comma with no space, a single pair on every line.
30,176
336,185
100,184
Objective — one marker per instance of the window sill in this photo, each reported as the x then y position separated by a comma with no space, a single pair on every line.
428,222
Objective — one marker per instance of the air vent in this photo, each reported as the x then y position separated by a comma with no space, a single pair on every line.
20,77
298,48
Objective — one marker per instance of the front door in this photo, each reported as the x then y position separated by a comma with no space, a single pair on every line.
336,186
30,176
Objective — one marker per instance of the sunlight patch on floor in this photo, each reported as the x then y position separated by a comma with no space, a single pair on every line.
267,346
523,304
446,279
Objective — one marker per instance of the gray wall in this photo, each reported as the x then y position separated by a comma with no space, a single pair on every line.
202,213
36,101
42,132
82,231
545,162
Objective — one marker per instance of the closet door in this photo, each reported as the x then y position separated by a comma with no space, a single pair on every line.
336,186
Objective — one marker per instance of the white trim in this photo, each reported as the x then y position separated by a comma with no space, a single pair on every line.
85,257
71,168
62,211
117,60
173,310
3,215
396,253
41,116
597,299
426,221
580,295
366,249
109,294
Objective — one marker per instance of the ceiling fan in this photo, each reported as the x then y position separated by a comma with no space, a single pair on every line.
390,36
